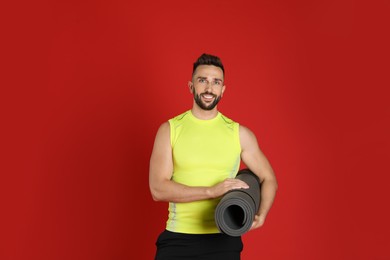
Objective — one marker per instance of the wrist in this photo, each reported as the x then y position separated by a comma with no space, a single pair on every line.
209,193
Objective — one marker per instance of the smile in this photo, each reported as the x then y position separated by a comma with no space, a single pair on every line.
208,96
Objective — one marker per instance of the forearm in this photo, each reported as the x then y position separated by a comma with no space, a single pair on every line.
268,193
168,190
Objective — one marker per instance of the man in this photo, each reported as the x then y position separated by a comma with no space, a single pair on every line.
195,158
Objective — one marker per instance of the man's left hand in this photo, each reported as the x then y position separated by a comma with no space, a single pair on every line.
258,221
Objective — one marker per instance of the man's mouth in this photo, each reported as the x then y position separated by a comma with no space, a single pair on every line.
208,97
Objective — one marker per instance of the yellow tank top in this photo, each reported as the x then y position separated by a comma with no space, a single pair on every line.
205,152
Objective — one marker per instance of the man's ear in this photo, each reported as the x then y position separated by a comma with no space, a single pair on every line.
191,86
223,89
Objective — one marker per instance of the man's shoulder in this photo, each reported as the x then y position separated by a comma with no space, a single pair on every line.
227,120
179,117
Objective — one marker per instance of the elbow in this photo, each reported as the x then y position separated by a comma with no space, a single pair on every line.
276,185
272,183
159,190
155,198
156,195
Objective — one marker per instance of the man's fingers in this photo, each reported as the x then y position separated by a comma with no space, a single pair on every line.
231,184
241,185
258,221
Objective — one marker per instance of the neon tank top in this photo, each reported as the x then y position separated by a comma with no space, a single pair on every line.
205,152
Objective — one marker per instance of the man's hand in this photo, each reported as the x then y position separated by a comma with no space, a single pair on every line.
258,221
228,184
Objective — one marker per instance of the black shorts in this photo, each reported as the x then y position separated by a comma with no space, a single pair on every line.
171,245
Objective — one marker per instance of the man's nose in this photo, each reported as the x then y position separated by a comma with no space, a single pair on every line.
208,86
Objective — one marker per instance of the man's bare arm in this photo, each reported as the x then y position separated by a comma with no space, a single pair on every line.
256,161
160,174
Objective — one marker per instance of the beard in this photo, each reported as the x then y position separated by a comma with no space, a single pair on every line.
203,105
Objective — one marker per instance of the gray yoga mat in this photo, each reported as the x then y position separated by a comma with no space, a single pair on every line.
235,212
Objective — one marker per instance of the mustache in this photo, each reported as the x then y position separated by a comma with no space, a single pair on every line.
208,93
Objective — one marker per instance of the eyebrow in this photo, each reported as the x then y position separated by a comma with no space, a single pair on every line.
215,79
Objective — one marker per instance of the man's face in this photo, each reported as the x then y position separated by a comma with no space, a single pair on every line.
207,86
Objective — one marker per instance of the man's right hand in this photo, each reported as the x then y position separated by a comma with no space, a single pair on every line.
228,184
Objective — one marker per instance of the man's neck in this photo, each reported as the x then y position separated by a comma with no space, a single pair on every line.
204,114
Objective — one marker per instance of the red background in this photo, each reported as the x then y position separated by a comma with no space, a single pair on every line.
85,85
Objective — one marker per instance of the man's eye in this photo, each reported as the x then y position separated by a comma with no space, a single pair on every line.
217,82
202,80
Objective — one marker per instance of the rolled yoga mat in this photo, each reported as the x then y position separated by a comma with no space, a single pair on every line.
236,211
